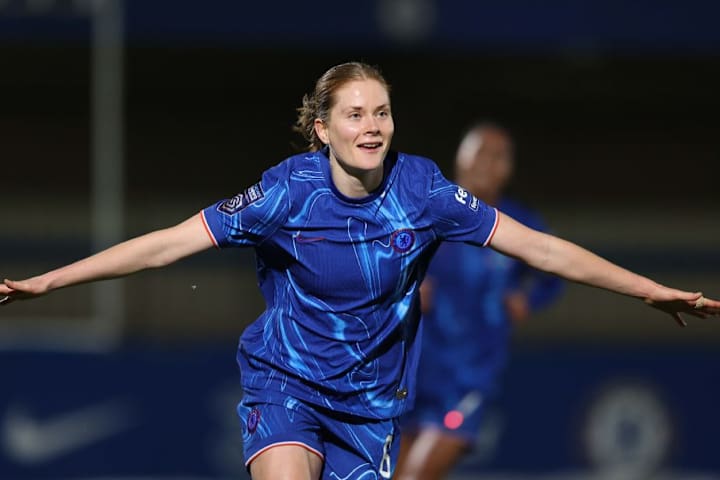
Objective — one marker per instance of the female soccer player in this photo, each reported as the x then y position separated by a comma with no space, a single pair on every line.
470,297
343,235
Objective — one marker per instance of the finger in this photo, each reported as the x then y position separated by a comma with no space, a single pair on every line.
679,319
709,302
707,305
21,286
11,284
689,296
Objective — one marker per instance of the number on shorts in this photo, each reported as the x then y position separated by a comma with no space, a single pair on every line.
385,463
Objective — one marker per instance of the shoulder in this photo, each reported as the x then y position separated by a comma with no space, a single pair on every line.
307,163
294,176
417,170
416,163
414,178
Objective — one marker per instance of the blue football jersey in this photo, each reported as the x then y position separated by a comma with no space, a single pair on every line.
340,278
467,327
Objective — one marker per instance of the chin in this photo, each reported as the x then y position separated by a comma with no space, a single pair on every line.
363,161
369,163
376,156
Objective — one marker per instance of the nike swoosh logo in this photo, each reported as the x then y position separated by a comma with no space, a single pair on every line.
29,440
302,239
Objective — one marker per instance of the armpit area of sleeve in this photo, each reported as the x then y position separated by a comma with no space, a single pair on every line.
496,222
214,226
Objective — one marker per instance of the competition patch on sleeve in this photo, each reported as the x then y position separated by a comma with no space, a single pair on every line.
241,200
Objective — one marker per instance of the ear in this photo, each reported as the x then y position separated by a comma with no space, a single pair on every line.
321,131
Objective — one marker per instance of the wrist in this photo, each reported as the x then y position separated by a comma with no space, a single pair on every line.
48,281
650,289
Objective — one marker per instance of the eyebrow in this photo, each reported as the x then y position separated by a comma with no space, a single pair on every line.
384,106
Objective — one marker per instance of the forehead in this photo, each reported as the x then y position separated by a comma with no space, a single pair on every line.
361,93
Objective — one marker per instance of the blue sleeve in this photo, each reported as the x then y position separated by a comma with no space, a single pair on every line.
252,215
459,216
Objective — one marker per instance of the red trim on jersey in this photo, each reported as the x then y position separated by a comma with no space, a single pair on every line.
494,229
207,229
280,444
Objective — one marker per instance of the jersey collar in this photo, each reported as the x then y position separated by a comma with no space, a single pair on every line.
388,167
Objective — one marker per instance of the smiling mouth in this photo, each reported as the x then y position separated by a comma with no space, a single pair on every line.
371,146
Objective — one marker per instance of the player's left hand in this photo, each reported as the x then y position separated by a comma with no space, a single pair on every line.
676,302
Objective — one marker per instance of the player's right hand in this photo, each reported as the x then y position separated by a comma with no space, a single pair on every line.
11,290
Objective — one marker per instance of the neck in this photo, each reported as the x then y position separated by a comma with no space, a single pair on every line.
354,183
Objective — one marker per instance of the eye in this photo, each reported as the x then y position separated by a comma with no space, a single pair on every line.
383,113
355,115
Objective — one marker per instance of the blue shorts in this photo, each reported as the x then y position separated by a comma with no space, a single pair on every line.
350,447
459,414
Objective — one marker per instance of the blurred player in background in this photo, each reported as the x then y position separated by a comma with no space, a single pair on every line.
343,235
470,298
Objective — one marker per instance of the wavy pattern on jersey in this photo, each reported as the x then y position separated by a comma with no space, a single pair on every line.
439,188
257,221
393,212
335,333
300,356
340,328
303,213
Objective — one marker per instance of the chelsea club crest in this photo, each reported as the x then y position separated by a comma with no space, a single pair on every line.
402,240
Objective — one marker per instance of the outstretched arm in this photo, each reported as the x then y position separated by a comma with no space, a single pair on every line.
555,255
153,250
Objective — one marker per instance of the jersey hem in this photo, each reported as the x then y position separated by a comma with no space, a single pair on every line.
280,444
494,228
207,229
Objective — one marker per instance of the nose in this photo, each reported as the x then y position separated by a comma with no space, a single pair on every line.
372,126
